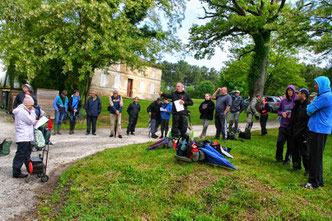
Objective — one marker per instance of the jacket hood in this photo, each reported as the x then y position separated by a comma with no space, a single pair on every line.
19,107
293,88
323,84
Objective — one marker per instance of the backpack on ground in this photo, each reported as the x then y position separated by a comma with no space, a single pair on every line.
5,147
245,135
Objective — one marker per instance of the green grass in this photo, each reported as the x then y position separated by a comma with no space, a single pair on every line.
130,183
104,119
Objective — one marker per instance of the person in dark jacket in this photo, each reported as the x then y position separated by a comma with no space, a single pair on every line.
165,112
154,113
93,109
264,110
206,109
236,108
180,100
27,90
115,109
299,131
60,105
284,111
133,111
74,107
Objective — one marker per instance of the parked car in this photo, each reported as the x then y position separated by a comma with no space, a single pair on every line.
274,102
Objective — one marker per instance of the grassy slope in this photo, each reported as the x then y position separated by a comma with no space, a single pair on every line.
103,120
131,183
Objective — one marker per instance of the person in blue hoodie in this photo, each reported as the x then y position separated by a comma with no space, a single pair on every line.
320,126
284,112
74,107
165,112
60,105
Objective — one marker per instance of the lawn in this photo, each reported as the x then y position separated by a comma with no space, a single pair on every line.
130,183
143,121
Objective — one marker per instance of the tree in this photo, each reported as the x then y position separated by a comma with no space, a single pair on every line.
203,88
79,36
233,21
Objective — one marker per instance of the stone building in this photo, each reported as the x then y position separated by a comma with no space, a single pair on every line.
144,84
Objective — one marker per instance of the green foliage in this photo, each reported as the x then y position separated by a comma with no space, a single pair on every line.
130,183
203,88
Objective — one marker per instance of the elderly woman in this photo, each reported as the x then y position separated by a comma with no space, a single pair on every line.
25,118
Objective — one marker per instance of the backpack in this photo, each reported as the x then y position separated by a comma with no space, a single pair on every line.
39,139
5,147
245,135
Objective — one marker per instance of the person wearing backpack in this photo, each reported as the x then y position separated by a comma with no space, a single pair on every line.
25,118
60,105
115,110
93,109
166,111
206,109
133,111
74,107
264,110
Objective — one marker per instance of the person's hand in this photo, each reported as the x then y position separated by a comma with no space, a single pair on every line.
284,114
160,93
204,107
181,101
75,111
149,113
289,116
219,89
117,113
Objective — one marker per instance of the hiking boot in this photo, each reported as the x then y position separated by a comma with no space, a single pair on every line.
111,135
20,175
154,136
120,136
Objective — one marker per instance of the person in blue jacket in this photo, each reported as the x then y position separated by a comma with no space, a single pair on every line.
93,109
115,109
165,112
320,125
60,105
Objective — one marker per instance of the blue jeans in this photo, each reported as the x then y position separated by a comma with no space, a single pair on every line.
73,117
59,116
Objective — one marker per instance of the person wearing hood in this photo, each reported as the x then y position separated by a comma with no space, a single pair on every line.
74,107
93,109
165,112
27,90
154,113
180,100
206,109
320,126
25,118
284,111
60,105
236,108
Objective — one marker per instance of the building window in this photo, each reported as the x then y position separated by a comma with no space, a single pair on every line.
154,74
103,80
117,81
142,87
152,88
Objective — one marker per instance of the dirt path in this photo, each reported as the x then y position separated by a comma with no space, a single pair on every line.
17,197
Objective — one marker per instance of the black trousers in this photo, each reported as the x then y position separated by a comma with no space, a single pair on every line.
164,126
22,155
316,148
300,151
221,125
91,120
263,120
180,125
282,138
132,123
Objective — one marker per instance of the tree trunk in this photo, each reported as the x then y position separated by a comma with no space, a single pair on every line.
256,77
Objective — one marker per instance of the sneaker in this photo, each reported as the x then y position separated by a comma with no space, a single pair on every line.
132,133
308,186
111,135
21,175
120,136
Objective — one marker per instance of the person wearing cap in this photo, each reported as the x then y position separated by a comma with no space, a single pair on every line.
60,105
133,111
74,107
27,90
284,111
236,108
25,118
93,109
179,111
312,96
115,109
154,113
299,131
252,111
165,112
206,109
320,126
264,111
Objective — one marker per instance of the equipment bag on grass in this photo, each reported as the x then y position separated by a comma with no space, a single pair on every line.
5,147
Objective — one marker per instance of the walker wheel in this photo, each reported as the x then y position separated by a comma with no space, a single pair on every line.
39,175
44,178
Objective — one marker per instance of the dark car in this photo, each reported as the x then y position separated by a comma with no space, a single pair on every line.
274,102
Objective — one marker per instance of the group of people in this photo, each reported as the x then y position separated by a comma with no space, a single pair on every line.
304,125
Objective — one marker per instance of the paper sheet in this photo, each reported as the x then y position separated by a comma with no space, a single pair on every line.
41,122
179,107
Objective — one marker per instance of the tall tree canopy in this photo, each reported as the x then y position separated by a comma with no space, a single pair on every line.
81,35
235,21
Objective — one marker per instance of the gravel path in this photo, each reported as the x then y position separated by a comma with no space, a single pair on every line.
17,197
